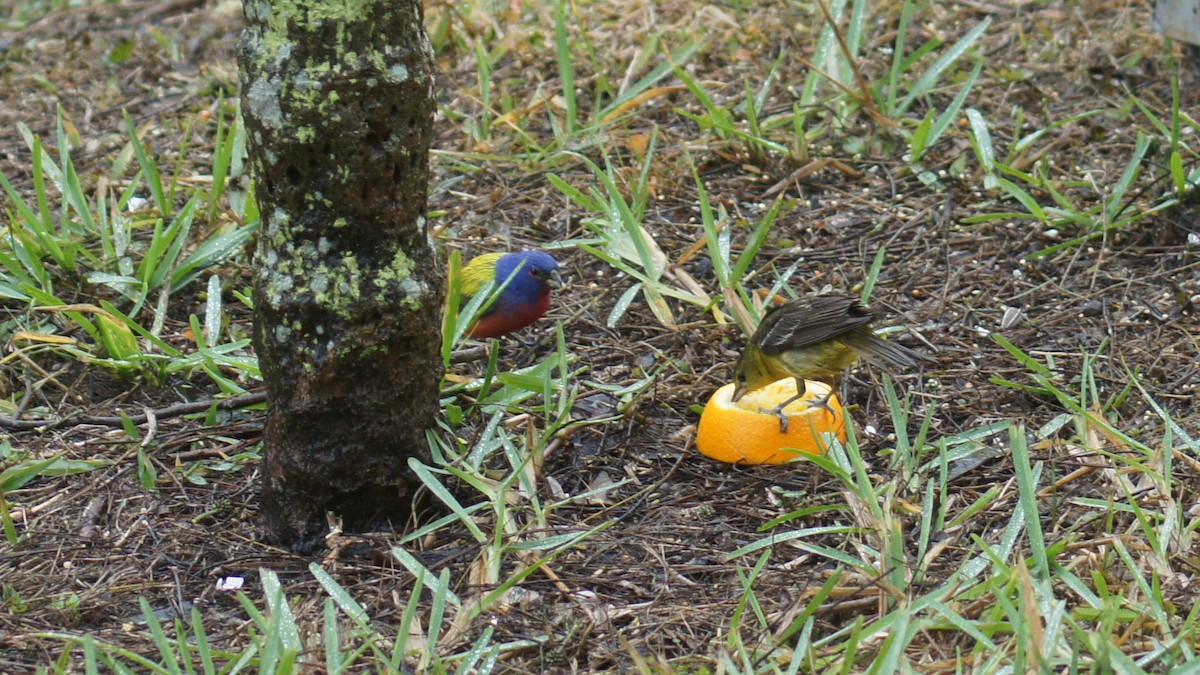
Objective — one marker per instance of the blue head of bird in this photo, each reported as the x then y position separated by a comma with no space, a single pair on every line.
535,274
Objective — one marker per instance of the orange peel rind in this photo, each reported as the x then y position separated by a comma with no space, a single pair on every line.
740,433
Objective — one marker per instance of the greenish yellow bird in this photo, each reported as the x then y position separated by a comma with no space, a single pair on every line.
813,338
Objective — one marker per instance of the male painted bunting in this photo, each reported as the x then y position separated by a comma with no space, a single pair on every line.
530,275
816,338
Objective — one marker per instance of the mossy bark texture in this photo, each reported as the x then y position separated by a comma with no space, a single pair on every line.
338,102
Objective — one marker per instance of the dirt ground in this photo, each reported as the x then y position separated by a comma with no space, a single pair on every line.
656,579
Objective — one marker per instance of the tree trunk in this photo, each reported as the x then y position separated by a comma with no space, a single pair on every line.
338,101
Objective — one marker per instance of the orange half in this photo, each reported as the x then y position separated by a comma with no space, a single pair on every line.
738,433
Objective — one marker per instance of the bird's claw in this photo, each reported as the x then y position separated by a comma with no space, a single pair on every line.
823,404
778,412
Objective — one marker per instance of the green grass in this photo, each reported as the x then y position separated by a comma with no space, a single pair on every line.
100,264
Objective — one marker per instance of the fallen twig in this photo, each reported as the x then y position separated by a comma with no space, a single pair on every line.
176,410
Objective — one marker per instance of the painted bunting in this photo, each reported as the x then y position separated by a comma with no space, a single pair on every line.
530,275
815,338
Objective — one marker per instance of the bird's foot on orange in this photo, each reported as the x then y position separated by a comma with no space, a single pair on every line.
823,403
778,412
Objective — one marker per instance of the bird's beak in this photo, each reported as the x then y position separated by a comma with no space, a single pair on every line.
738,392
555,281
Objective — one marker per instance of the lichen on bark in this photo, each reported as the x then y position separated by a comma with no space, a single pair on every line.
338,102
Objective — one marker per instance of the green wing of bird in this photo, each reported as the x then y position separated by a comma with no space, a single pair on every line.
478,272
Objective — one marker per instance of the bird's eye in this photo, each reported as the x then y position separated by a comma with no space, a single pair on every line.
534,273
741,377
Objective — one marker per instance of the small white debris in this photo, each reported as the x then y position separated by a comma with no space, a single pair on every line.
1193,239
1012,317
599,488
522,597
556,489
136,204
230,583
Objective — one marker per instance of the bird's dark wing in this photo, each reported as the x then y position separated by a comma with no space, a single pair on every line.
808,321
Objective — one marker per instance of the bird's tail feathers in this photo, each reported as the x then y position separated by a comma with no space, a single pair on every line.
882,353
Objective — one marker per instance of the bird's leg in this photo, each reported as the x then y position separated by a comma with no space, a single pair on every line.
801,389
823,402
